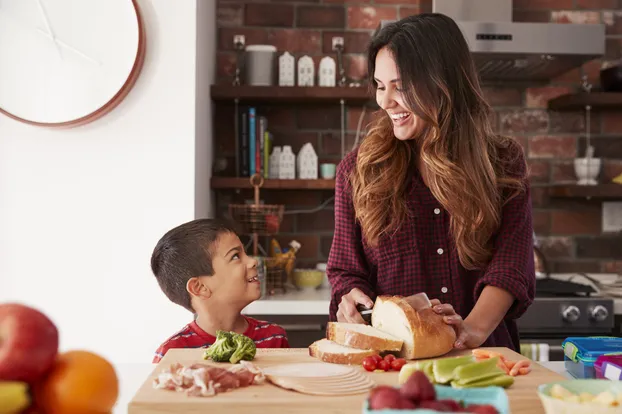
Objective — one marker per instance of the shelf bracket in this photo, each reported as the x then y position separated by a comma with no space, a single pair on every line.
338,47
238,44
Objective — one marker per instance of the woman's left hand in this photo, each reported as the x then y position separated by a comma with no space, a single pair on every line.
467,336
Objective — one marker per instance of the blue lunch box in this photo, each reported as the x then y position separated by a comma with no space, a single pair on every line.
580,353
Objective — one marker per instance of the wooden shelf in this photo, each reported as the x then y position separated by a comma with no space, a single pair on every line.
600,191
290,94
578,101
244,183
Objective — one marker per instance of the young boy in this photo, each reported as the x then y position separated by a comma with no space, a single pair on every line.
201,265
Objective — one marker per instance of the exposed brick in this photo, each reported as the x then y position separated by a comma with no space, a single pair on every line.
573,122
539,196
575,266
563,172
607,147
356,67
592,71
354,115
325,244
542,4
539,97
552,147
612,122
331,142
369,17
597,4
310,244
522,141
292,198
230,14
539,171
613,22
612,267
600,247
295,139
225,64
556,247
524,120
288,223
279,117
323,220
319,117
613,49
575,16
320,16
501,96
398,2
541,222
253,36
266,14
354,42
583,221
611,169
408,11
425,6
296,41
531,16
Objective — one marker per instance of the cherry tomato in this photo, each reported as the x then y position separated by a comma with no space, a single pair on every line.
369,364
397,364
384,365
377,358
389,358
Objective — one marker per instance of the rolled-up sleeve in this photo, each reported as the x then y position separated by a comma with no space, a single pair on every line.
512,265
347,267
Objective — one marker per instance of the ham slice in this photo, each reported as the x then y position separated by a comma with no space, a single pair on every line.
204,380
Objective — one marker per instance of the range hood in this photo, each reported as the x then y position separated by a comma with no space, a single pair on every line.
517,51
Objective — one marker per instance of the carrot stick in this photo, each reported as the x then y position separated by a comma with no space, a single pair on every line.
520,364
524,370
504,367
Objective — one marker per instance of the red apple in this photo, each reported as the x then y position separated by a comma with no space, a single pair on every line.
28,343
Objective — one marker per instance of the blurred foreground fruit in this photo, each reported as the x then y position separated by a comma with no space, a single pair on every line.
28,343
80,382
14,397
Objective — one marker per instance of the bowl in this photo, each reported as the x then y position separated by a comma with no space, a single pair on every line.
307,278
554,405
611,79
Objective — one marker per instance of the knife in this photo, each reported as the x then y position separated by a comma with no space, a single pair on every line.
418,301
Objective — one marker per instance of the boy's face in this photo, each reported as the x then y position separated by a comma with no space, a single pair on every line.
235,278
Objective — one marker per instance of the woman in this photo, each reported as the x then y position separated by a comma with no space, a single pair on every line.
432,200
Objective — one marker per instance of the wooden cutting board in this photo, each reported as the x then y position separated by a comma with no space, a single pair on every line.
272,399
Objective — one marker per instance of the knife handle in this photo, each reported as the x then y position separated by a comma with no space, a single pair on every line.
365,313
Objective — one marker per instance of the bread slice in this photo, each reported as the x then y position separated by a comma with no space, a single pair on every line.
329,351
356,335
424,333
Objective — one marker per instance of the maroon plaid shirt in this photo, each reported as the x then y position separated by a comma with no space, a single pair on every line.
422,257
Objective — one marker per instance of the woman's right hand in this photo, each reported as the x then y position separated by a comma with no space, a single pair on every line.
347,311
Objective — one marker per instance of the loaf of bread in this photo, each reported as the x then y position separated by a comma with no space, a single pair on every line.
329,351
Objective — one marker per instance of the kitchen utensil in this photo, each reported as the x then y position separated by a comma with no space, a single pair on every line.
419,301
365,313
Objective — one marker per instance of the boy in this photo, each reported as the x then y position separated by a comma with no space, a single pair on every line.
201,265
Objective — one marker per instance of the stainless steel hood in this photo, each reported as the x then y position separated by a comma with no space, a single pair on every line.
507,50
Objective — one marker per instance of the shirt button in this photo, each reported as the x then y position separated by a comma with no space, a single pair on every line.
440,251
444,289
437,211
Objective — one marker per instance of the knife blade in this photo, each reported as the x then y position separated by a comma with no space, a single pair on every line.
419,301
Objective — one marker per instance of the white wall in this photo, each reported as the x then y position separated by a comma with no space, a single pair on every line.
81,209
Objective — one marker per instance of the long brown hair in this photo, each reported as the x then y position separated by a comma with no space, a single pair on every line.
457,146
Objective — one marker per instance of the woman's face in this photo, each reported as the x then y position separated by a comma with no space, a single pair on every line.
389,96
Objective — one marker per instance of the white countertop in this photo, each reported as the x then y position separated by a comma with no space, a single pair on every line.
317,301
132,377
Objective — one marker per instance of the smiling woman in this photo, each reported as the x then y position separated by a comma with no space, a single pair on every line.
433,200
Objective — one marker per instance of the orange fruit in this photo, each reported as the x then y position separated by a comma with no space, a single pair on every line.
79,382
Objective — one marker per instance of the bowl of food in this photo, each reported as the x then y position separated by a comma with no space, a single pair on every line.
582,396
307,278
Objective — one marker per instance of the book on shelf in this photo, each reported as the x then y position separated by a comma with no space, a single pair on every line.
253,143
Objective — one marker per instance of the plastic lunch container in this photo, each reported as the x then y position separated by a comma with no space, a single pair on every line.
609,367
580,353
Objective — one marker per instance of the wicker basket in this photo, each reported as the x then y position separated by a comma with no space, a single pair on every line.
257,219
276,276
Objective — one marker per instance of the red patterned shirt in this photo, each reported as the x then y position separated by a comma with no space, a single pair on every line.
264,334
422,257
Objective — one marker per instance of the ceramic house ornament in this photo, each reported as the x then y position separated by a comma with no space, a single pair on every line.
286,69
275,158
306,71
307,162
287,163
327,71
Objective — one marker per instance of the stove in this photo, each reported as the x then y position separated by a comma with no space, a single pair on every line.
562,309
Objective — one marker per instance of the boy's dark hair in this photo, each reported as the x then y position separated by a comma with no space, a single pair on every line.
186,252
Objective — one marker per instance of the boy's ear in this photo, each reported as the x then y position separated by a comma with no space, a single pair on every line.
196,287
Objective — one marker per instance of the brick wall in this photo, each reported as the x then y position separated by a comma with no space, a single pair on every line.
570,231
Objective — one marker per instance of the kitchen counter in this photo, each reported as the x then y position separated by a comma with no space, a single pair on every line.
132,376
316,302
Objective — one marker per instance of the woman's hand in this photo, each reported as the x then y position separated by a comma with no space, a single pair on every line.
347,311
467,336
